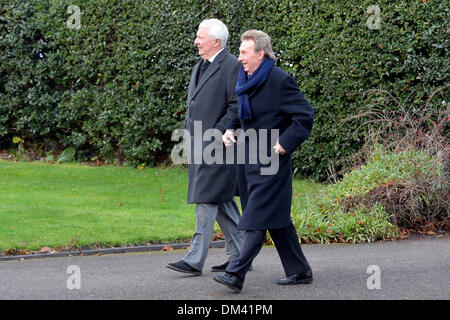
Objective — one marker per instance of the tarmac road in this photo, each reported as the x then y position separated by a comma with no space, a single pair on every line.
406,269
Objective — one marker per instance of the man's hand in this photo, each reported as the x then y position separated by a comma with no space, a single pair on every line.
228,138
279,149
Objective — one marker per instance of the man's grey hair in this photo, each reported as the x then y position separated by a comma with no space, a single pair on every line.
216,30
262,42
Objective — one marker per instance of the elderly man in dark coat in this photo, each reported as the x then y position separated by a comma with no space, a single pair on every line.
211,104
269,99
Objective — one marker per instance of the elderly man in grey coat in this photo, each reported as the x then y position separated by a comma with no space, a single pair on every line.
212,103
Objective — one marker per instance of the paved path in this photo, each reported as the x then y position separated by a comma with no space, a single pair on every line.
409,269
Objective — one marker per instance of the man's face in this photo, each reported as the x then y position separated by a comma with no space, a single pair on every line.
250,58
206,47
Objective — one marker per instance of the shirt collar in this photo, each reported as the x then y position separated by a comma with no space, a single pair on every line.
214,56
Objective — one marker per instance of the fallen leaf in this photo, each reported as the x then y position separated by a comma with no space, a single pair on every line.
45,250
218,236
167,248
430,232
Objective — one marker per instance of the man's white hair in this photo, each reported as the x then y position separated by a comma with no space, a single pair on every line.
216,30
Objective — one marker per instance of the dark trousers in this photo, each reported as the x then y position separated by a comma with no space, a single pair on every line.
287,245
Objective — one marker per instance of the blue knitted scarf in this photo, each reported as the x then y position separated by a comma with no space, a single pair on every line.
244,85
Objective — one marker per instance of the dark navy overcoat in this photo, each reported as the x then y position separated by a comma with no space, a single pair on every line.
276,104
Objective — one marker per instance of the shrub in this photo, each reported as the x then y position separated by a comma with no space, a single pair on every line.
361,224
116,88
412,186
408,189
29,94
400,178
372,201
416,156
322,221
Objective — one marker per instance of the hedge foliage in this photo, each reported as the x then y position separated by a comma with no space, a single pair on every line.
116,87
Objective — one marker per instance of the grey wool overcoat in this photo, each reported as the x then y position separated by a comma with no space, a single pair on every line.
213,102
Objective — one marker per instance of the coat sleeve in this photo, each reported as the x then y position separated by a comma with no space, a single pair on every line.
234,123
300,115
232,100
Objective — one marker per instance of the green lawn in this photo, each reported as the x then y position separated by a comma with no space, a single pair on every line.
65,205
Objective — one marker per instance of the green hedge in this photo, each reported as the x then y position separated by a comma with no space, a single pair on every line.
116,87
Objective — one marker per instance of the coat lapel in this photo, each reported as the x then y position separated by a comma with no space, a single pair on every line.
193,81
209,72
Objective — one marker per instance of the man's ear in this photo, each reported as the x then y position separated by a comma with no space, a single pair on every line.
261,54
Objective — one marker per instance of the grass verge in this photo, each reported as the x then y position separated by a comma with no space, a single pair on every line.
67,206
71,206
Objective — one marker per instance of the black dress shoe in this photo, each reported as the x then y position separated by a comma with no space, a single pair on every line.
220,268
182,266
297,278
231,281
223,267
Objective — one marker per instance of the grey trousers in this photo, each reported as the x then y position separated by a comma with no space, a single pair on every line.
227,216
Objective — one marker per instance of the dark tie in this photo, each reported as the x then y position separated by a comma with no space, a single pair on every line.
205,64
